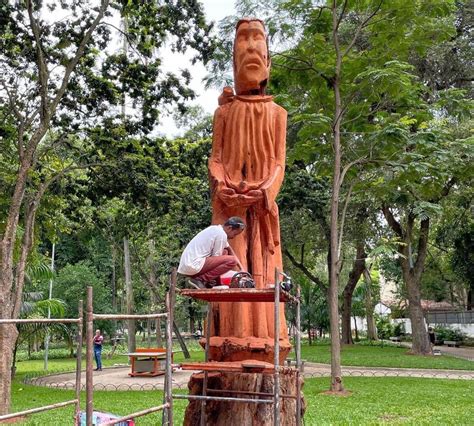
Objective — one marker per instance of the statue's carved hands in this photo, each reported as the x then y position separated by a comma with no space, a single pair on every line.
233,199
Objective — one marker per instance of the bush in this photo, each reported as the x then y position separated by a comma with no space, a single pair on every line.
446,333
384,327
399,329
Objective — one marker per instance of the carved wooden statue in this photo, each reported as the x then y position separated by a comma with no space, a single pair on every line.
246,170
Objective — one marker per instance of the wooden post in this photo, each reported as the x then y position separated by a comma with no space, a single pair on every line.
276,349
206,359
89,361
79,360
298,355
169,347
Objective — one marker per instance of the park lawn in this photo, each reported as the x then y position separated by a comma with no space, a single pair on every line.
374,400
382,356
35,367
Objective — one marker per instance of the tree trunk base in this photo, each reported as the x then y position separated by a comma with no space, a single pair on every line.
238,413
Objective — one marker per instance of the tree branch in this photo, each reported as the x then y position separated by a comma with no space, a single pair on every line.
79,53
361,27
42,66
305,270
392,222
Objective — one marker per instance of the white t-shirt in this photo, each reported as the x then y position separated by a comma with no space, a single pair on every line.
209,242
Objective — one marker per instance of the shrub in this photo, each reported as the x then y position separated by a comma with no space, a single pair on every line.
447,333
399,329
384,328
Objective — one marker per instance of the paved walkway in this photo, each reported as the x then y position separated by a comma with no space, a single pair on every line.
318,370
463,352
117,378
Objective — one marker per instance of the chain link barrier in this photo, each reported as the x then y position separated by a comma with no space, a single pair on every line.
39,379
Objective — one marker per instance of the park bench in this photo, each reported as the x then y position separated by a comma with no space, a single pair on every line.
396,339
292,362
453,343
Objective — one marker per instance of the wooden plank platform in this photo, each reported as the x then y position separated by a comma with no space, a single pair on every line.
248,366
236,295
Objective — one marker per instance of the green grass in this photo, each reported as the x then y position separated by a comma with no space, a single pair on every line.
386,400
383,356
373,401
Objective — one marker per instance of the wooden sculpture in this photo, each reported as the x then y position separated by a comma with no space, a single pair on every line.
246,170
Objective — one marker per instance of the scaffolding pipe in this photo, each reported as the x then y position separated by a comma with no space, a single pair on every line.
249,393
137,414
222,398
169,347
127,317
79,360
39,320
38,410
298,355
89,377
276,350
206,359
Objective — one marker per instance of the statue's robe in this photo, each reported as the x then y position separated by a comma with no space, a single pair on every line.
248,153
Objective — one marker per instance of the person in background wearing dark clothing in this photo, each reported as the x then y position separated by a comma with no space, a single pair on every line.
98,340
432,336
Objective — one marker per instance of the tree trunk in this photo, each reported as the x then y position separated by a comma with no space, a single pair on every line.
420,341
412,271
181,341
355,329
8,336
369,307
129,294
358,267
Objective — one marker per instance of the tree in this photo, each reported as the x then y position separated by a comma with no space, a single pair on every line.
59,80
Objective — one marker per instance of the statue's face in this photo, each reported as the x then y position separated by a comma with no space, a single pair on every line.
251,65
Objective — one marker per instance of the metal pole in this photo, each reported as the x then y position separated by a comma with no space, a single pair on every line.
206,359
79,361
276,380
298,355
89,378
169,346
46,340
37,410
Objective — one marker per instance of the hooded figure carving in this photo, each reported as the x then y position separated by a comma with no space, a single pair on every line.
246,170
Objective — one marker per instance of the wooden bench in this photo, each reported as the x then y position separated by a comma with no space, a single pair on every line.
395,339
292,362
453,343
148,362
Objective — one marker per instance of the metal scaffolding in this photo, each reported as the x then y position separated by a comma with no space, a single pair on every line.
167,406
276,296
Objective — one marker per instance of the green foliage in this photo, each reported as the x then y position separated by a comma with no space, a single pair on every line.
448,333
385,329
72,282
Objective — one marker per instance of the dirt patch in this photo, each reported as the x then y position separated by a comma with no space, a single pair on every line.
14,420
391,417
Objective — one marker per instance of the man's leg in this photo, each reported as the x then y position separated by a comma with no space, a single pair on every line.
215,266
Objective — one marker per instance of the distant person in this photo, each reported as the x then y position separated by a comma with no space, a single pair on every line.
98,341
208,255
432,337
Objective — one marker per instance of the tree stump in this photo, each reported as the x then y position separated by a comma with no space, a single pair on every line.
229,413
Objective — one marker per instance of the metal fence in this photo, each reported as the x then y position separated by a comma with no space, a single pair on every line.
452,317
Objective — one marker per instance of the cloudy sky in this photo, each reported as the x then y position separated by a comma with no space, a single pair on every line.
215,11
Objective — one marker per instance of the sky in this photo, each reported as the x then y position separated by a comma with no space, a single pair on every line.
215,10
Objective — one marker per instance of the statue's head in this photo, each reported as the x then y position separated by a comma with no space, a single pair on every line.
251,57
